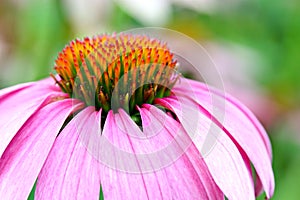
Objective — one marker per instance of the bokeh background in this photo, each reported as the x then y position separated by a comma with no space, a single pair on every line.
254,43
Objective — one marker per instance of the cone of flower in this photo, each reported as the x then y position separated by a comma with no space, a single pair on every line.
117,121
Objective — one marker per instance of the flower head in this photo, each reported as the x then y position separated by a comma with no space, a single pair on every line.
117,116
92,69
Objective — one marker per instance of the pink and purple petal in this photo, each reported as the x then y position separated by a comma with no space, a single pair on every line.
240,124
222,157
16,88
190,157
75,169
141,172
18,106
13,89
201,90
117,182
25,155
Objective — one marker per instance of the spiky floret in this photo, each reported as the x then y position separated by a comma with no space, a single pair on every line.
116,71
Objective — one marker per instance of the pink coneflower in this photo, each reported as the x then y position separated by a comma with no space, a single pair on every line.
117,118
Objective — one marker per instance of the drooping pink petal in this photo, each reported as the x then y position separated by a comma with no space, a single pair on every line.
190,153
222,157
47,81
18,106
240,124
26,94
201,90
24,157
171,170
70,171
258,186
10,90
118,184
138,170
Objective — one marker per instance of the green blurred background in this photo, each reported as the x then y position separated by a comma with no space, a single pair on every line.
255,45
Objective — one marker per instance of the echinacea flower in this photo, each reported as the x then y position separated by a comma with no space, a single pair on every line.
119,119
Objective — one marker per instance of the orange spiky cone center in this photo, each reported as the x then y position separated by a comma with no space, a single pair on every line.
116,71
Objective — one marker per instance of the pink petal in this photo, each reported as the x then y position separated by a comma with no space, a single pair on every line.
18,106
222,157
70,171
47,81
129,176
119,184
201,90
27,152
258,186
26,94
16,88
10,90
208,187
240,124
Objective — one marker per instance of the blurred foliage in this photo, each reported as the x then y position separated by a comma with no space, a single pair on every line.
40,33
36,30
120,20
272,28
